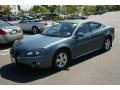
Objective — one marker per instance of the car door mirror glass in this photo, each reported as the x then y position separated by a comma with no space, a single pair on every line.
21,22
79,34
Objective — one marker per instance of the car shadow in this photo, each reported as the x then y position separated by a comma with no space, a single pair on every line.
6,46
28,33
24,75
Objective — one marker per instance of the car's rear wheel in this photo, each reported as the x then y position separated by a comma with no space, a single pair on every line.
107,44
35,30
61,59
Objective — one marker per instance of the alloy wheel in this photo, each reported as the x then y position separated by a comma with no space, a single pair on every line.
107,44
61,60
35,30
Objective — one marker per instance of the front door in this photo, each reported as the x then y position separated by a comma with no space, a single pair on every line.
83,44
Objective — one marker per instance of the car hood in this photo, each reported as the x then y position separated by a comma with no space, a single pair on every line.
36,41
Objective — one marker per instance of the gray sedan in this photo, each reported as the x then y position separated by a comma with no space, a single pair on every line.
34,25
61,43
9,32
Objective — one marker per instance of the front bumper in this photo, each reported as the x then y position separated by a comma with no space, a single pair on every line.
34,62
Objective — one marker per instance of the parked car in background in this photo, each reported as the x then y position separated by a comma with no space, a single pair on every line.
77,17
62,16
27,17
34,25
9,32
49,16
100,12
9,18
62,42
37,16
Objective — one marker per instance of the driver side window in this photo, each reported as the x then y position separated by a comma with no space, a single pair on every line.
85,28
25,21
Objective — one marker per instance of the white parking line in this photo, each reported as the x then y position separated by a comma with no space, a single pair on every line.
4,52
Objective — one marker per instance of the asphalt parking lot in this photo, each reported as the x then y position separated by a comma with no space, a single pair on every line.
95,68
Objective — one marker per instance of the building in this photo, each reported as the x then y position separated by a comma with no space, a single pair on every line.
3,8
14,9
26,12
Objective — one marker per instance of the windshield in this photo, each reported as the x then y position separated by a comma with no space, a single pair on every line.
63,29
5,24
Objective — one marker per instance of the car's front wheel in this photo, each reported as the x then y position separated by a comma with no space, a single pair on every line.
61,59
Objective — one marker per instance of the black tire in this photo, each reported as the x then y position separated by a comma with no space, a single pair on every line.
56,56
35,30
107,44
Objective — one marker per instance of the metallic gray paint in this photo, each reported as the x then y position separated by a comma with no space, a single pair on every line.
77,46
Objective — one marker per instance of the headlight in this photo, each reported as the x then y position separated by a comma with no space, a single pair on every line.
29,53
37,52
34,53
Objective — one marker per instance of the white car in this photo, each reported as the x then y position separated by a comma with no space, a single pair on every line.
34,26
62,16
9,32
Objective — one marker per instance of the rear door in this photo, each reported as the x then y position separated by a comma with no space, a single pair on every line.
96,35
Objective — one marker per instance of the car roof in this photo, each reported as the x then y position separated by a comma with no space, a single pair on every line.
77,21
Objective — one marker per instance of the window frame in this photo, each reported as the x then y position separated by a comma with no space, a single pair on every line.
96,28
81,26
27,21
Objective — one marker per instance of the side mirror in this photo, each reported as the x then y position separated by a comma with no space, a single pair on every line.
21,21
78,35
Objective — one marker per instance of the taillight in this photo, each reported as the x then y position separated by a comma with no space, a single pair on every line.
45,24
2,32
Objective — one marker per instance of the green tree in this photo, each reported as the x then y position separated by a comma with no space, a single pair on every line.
35,9
108,7
38,9
51,8
100,7
115,7
89,9
71,9
7,10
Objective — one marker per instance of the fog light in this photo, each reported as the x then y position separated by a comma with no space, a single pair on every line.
38,63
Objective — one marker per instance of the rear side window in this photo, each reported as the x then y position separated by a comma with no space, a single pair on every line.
84,28
95,26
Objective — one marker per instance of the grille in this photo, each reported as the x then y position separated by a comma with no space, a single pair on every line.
14,52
